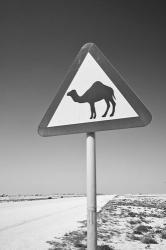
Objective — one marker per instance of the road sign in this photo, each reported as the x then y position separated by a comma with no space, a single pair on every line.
93,97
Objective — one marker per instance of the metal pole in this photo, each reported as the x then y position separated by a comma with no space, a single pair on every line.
91,193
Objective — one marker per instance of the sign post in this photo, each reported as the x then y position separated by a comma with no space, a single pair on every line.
91,193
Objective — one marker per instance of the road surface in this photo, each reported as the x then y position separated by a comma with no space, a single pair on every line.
28,225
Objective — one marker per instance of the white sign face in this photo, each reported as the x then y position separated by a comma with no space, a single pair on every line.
91,97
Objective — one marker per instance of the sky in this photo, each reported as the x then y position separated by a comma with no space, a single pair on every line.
39,41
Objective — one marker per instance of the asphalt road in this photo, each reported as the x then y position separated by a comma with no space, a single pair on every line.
29,225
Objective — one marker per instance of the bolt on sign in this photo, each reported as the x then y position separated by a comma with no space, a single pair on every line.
93,97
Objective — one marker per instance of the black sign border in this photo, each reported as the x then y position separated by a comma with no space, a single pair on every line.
144,116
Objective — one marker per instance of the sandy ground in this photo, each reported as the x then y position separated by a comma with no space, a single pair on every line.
134,222
28,225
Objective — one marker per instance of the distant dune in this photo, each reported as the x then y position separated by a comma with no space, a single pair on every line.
16,198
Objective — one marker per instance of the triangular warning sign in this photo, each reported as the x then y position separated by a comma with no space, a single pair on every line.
93,97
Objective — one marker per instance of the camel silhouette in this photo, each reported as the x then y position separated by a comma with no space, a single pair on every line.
97,92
